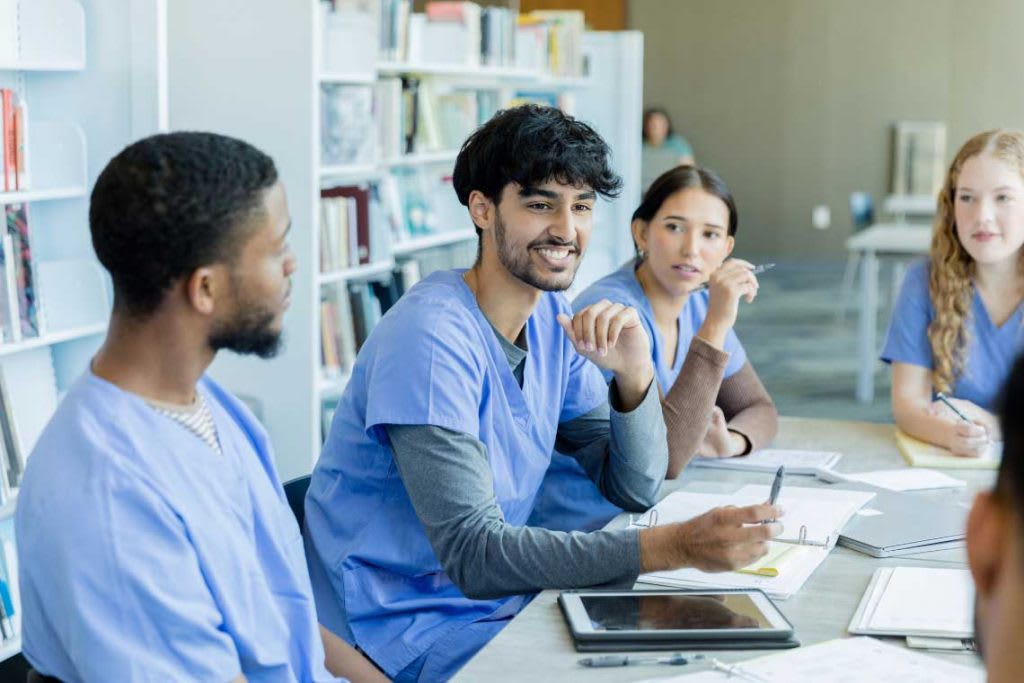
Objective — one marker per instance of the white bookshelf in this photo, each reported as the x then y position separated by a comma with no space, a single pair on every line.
72,61
441,239
222,77
363,272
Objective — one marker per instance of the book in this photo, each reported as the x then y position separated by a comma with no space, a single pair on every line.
359,210
30,321
8,164
919,453
13,460
22,180
348,134
917,601
30,386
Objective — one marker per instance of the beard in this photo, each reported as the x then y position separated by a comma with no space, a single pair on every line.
250,331
518,262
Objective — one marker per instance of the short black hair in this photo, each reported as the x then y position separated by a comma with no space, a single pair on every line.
1010,483
530,145
681,178
169,204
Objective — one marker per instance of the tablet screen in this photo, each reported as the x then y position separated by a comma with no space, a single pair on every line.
673,612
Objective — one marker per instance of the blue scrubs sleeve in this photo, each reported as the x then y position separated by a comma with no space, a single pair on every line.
430,371
140,607
907,338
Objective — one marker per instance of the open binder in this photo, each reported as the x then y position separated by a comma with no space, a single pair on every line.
813,520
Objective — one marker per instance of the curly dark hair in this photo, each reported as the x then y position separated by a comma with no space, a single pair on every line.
169,204
530,145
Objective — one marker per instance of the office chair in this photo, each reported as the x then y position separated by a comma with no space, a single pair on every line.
862,214
295,492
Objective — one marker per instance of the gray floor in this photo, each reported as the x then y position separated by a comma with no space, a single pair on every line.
804,351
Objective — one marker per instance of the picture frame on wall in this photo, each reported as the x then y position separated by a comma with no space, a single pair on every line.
918,158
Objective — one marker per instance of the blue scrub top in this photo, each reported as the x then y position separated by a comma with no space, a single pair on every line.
569,499
146,555
990,350
432,360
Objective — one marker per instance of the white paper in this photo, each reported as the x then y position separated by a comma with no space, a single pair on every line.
924,599
907,479
848,660
769,459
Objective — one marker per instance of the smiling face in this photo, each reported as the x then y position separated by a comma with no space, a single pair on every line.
989,209
541,232
686,240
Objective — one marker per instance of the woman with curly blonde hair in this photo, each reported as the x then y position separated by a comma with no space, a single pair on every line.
957,325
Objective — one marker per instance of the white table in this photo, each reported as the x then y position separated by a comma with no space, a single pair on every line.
880,239
537,646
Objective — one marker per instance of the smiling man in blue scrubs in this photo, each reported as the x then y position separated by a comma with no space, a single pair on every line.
419,553
154,537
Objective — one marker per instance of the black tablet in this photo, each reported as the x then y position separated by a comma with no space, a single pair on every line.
713,615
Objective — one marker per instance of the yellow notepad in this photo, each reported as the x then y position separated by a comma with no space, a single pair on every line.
779,555
918,453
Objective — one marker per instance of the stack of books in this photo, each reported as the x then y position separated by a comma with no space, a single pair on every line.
14,170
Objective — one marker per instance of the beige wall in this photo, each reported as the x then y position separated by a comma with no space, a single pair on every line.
791,100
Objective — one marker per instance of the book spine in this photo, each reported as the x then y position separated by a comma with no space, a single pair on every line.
21,169
10,139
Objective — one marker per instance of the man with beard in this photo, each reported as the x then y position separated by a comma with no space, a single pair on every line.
995,547
416,511
154,537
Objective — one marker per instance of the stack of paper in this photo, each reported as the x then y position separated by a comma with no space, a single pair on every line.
917,601
769,459
918,453
812,521
850,660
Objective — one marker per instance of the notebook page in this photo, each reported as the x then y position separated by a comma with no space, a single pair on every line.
847,660
926,599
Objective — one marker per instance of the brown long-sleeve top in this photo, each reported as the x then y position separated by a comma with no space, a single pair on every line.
687,406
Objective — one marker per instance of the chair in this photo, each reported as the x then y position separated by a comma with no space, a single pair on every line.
862,214
295,492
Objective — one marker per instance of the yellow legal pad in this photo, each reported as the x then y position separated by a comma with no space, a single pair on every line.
917,453
779,555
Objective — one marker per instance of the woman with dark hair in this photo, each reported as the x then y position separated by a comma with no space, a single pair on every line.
663,148
713,402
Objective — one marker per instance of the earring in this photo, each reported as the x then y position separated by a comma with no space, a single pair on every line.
640,254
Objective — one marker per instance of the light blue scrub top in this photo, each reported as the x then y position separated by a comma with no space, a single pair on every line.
147,556
432,360
569,499
990,350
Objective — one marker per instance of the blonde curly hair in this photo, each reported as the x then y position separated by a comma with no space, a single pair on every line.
952,268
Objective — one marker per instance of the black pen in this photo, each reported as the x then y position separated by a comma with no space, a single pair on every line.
949,404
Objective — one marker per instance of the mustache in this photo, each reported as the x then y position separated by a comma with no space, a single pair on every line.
555,244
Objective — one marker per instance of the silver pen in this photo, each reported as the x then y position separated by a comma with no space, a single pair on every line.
756,271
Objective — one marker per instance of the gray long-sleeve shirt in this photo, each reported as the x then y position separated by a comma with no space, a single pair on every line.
449,481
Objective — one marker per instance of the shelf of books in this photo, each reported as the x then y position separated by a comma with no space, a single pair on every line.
376,112
54,296
398,113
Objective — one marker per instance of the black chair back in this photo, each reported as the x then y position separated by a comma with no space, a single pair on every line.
295,492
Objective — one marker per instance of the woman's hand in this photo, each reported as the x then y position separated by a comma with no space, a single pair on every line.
719,442
733,280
